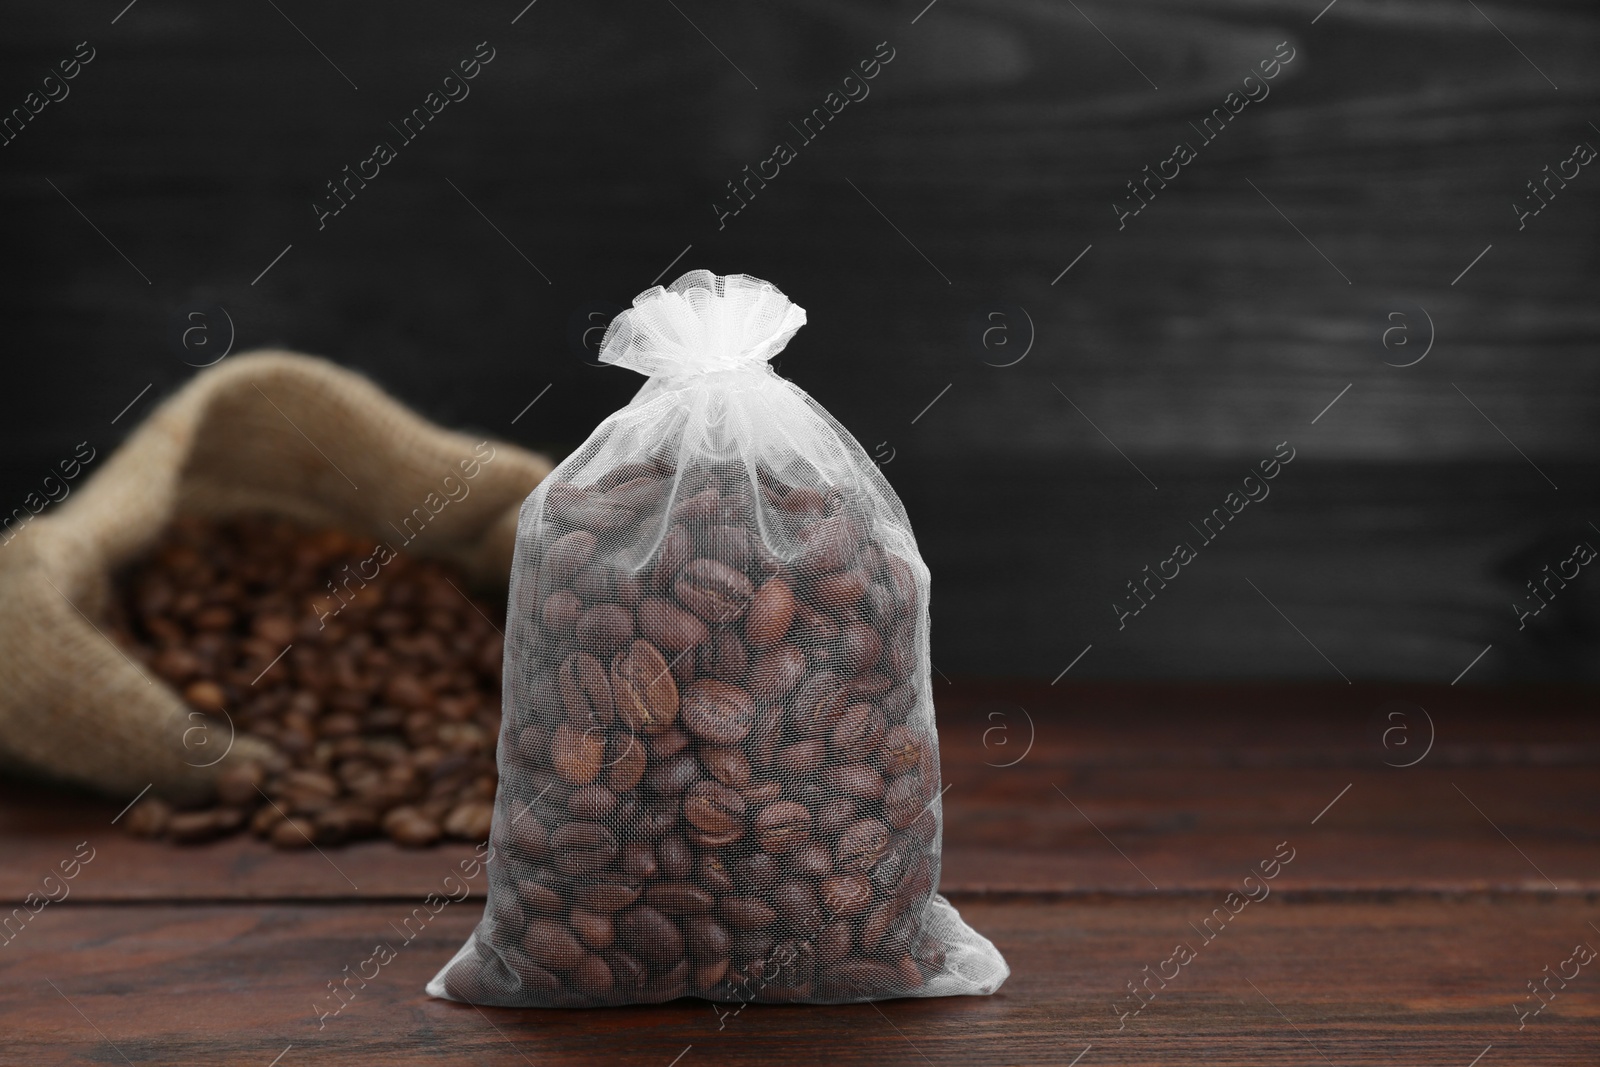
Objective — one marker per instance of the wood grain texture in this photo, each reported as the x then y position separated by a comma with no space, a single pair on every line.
1403,926
1387,571
996,141
1124,790
1406,982
989,152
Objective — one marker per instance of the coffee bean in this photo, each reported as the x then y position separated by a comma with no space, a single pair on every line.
861,845
410,827
712,873
646,695
871,685
796,905
706,939
470,821
797,968
762,793
810,860
845,895
526,838
839,592
903,583
887,872
582,847
818,703
671,777
627,972
594,930
591,802
755,946
669,627
671,985
237,784
667,743
149,817
716,813
655,820
915,884
714,591
717,712
834,942
830,545
800,760
569,554
650,935
593,978
577,753
776,672
699,508
758,870
604,897
605,628
531,975
771,610
906,800
728,765
639,861
585,690
676,549
678,899
205,695
708,975
748,913
860,648
724,657
898,701
561,610
537,897
901,750
550,945
818,633
855,779
804,501
910,974
675,856
600,582
624,473
293,832
783,826
834,814
626,764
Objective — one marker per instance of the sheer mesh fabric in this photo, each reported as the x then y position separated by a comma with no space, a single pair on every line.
719,771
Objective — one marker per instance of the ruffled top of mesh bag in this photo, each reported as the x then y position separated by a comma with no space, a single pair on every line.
702,323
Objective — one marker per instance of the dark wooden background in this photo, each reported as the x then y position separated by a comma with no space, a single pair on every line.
996,141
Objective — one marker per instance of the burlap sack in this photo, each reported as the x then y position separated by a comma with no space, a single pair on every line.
269,431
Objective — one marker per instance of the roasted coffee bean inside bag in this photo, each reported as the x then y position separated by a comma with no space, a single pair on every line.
719,773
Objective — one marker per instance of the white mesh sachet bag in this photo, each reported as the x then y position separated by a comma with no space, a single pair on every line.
719,773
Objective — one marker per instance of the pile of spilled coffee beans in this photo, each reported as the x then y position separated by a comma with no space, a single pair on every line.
719,763
373,675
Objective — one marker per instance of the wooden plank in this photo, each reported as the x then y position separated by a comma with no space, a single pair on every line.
1001,167
997,141
1405,982
1392,571
1182,783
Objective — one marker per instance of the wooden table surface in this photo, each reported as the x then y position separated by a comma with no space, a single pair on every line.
1089,828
